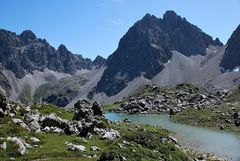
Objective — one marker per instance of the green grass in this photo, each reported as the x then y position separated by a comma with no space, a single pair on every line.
144,144
110,107
45,109
211,118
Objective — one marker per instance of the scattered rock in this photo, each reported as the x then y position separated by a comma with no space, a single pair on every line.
46,129
34,140
95,148
236,114
96,107
173,139
111,135
237,122
89,135
56,130
221,127
73,147
106,157
34,126
21,143
228,121
21,123
53,120
3,145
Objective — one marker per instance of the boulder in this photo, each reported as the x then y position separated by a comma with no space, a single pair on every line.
237,122
3,102
34,126
21,123
34,140
22,150
74,147
81,111
106,156
53,120
111,135
73,127
228,121
89,135
82,104
96,107
86,128
31,117
2,113
3,145
173,139
173,111
56,130
46,129
95,148
236,114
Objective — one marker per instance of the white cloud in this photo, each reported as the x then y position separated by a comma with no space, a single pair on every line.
118,22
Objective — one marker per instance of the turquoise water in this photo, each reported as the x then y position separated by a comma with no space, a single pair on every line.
220,143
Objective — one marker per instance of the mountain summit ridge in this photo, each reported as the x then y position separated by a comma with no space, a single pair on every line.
25,53
147,46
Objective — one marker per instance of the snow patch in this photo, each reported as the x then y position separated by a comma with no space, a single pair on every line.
236,69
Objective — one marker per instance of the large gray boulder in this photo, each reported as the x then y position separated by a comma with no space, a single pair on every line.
111,135
74,147
21,123
83,110
23,146
52,120
96,107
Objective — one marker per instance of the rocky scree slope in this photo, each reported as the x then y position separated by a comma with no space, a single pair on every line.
187,104
153,99
147,45
225,116
25,53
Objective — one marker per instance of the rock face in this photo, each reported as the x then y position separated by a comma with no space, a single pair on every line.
99,61
147,46
25,53
231,58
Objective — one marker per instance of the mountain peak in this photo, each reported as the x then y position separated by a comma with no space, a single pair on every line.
149,20
28,35
148,16
170,14
151,41
62,49
99,61
171,19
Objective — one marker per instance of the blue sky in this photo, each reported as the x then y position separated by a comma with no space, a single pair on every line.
94,27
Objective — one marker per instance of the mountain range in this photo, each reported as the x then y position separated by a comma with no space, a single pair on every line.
161,51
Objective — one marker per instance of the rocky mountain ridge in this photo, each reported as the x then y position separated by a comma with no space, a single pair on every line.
231,58
151,41
25,53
